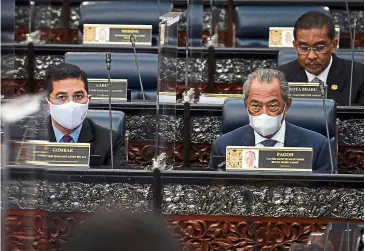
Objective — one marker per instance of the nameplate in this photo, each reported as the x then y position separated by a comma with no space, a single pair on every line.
305,90
53,154
117,34
99,89
268,158
284,37
170,18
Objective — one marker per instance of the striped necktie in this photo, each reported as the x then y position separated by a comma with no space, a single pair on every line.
67,138
317,80
269,143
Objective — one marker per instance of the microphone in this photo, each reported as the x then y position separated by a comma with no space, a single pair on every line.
352,60
322,86
31,16
108,60
133,41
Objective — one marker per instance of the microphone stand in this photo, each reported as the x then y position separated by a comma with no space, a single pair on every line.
323,91
133,41
108,60
352,60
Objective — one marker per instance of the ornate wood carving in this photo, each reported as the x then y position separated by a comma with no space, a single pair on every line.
13,88
229,88
142,153
228,233
36,230
351,159
50,35
26,230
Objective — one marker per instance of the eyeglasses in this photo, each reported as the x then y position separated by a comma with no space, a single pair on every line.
77,98
304,50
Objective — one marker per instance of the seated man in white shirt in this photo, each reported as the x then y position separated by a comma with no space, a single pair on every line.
267,99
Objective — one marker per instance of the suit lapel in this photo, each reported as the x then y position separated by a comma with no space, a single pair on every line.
86,134
298,74
51,135
335,78
249,137
291,139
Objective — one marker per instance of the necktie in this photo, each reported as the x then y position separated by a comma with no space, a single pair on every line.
317,80
269,143
67,138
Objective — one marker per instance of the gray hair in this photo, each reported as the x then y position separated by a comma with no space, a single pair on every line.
267,76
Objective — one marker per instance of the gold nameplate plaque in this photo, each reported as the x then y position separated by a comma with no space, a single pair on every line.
283,36
117,34
305,90
52,154
99,89
268,158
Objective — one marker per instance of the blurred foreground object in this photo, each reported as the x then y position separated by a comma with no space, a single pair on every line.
121,231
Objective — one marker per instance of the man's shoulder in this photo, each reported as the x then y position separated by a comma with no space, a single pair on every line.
304,134
234,135
288,67
358,67
101,131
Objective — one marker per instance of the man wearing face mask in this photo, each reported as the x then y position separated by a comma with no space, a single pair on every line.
266,96
68,100
316,44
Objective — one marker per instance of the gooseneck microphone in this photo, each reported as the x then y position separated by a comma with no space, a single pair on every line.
352,60
322,86
133,41
108,60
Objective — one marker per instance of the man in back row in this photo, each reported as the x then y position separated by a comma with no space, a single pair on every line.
315,44
68,99
267,100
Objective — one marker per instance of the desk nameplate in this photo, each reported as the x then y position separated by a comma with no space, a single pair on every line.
305,90
283,37
99,89
53,154
269,158
117,34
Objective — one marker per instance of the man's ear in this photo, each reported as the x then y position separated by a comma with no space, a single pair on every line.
287,105
334,45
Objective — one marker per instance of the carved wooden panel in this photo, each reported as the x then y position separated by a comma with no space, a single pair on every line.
13,88
50,35
26,230
228,233
351,159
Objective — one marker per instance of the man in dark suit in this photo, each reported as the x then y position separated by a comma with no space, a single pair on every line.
266,96
68,100
315,44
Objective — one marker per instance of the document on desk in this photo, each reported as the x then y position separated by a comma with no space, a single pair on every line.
46,153
269,158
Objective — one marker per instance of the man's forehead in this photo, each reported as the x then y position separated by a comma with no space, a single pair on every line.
68,83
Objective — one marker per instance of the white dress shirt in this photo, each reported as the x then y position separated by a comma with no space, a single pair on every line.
279,137
322,76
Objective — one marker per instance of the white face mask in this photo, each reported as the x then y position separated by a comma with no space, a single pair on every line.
69,115
266,125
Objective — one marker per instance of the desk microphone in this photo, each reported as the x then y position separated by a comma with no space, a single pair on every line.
323,90
352,60
31,16
108,60
133,41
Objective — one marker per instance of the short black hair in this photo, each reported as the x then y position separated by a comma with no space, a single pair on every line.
64,71
116,231
315,20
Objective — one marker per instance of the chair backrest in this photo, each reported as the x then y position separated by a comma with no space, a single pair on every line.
287,55
306,113
7,20
253,22
124,12
101,117
123,67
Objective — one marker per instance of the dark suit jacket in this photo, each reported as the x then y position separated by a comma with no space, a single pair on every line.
99,140
339,75
295,136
